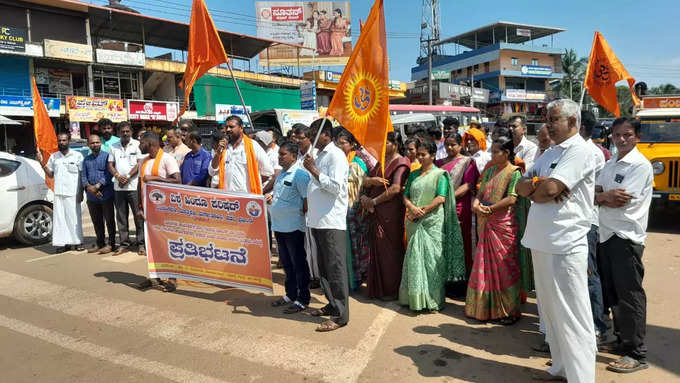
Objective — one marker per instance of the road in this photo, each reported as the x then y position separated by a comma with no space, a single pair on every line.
74,318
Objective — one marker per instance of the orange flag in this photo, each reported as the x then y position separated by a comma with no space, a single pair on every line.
603,72
45,138
205,49
361,100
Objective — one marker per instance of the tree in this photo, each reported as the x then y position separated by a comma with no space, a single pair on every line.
665,89
574,69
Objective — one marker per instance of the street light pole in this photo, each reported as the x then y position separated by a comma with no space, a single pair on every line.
429,71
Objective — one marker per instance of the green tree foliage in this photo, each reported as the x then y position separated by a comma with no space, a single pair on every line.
664,89
574,69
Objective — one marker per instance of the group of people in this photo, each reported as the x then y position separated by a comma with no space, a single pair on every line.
489,217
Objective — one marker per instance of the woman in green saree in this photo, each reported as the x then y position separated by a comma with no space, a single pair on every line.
434,254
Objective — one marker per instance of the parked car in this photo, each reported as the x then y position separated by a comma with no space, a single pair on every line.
26,210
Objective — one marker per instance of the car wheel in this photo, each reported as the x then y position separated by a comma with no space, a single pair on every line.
33,225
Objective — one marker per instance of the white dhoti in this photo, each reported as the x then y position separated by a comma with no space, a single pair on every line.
67,221
562,287
310,248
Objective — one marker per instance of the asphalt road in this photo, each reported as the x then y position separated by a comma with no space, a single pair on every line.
74,318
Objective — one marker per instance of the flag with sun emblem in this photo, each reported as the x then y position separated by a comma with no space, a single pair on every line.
361,100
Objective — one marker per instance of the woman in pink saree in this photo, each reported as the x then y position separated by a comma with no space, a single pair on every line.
464,174
338,31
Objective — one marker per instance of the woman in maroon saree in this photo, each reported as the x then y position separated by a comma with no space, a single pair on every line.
384,211
464,175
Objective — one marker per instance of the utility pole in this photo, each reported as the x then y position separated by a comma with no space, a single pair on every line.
472,87
429,71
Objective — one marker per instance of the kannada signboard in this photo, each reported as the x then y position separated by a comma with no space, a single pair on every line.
23,106
139,110
661,102
537,71
523,32
441,75
308,95
515,94
67,51
207,235
222,111
108,56
92,109
322,27
12,39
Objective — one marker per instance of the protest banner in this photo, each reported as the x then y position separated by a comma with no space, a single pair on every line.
207,235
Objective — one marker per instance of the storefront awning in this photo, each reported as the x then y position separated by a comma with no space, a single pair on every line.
8,121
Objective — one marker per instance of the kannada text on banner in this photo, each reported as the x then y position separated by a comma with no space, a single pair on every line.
207,235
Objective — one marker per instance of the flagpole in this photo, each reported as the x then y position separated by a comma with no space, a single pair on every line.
583,93
318,133
240,95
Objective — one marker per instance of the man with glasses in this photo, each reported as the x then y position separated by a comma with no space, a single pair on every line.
524,149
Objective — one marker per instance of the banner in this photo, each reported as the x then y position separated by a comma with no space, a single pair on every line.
23,106
223,111
139,110
323,28
92,109
12,39
207,235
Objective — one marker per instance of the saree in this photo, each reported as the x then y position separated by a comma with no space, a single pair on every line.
464,170
357,248
494,285
386,231
434,254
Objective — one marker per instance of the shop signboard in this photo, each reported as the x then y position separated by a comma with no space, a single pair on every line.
456,92
441,75
92,109
12,39
67,51
289,117
330,76
536,70
23,106
308,95
107,56
306,23
395,85
523,32
536,96
515,94
140,110
222,111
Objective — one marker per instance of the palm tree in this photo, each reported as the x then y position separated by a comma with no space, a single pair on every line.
574,69
665,89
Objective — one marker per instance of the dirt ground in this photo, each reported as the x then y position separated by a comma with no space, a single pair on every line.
74,318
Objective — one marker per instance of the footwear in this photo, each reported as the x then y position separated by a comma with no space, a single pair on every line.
543,347
545,376
144,285
62,249
94,249
120,250
626,365
141,251
328,325
314,283
281,301
78,248
105,250
296,307
168,286
324,311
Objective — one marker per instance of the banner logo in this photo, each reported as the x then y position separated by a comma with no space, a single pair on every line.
364,95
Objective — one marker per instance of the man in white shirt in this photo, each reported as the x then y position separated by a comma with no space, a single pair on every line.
124,160
65,167
327,199
435,135
588,122
624,194
176,146
524,149
561,185
231,154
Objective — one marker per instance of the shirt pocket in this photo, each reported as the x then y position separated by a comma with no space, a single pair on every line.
72,167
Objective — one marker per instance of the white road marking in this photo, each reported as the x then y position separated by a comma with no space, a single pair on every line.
44,257
302,356
163,370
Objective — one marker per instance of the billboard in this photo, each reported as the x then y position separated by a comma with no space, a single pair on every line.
141,110
12,39
323,28
222,111
23,106
207,235
308,95
92,109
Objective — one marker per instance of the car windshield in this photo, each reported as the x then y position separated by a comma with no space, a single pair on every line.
660,130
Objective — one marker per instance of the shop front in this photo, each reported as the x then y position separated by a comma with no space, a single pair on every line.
20,139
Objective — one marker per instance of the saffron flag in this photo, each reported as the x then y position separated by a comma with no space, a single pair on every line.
205,49
603,72
361,100
45,138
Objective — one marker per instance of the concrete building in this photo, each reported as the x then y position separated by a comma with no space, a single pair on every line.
515,62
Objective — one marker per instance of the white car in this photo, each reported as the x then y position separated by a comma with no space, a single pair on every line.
26,211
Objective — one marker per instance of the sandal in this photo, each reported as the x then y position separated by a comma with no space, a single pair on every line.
280,302
324,311
168,286
508,321
627,365
328,325
294,308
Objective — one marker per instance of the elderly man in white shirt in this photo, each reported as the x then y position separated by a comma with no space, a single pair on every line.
65,167
327,199
624,194
562,187
524,149
231,154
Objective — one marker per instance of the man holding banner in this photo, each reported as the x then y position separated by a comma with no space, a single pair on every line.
239,163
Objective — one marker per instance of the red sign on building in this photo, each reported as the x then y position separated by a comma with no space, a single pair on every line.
287,14
152,110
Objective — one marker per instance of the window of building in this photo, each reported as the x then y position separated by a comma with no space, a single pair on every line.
476,67
116,84
514,61
460,71
486,67
534,61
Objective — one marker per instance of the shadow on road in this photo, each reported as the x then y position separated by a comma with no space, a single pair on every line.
121,277
662,343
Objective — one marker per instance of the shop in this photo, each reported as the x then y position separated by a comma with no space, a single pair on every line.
20,139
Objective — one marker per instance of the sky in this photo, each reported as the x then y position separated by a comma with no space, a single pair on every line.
642,33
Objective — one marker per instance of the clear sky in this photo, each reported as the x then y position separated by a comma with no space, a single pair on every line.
642,33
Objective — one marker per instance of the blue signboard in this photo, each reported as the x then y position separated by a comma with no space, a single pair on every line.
23,106
535,70
308,95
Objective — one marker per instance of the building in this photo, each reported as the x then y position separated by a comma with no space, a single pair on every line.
514,62
92,61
